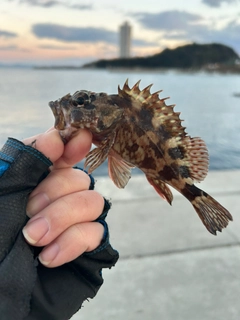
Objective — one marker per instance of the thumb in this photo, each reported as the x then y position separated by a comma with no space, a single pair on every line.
49,143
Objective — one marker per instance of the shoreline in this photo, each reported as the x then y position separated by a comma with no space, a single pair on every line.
207,69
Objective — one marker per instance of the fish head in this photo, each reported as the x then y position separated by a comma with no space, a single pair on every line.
97,112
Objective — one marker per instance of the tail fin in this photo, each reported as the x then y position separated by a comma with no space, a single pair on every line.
213,215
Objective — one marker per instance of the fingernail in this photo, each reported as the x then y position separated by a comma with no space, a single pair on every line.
37,203
35,230
49,254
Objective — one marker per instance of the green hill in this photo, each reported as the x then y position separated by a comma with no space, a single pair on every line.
193,56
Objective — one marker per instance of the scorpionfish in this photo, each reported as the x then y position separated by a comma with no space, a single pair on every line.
135,128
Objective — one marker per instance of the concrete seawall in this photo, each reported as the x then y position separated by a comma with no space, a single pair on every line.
170,266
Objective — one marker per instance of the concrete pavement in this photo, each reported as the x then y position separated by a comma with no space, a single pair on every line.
170,267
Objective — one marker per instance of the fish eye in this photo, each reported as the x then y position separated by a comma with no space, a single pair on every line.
80,100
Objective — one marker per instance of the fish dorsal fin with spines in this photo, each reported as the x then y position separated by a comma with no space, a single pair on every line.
167,127
161,114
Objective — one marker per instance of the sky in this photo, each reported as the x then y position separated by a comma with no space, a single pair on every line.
73,32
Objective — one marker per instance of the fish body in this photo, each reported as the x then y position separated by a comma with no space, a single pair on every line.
135,128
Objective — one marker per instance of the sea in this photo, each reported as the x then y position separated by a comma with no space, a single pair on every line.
209,103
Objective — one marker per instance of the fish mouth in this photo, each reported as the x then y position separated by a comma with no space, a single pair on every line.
85,124
60,117
70,130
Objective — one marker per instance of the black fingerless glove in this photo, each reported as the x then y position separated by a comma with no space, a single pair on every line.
28,290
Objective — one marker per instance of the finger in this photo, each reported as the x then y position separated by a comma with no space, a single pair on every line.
52,146
76,240
75,150
50,129
49,143
56,185
71,209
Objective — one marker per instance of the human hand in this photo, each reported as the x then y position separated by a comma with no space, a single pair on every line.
61,208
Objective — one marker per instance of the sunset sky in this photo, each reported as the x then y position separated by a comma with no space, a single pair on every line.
74,32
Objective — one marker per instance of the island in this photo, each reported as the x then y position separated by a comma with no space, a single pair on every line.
209,57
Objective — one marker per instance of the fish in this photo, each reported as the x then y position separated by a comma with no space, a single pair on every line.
136,128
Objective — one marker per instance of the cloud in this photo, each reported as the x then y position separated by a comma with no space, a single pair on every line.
74,34
53,3
143,43
184,26
40,3
175,24
7,34
80,6
229,35
8,48
52,47
217,3
167,20
13,47
81,34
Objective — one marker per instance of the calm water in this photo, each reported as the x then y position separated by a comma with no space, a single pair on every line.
206,101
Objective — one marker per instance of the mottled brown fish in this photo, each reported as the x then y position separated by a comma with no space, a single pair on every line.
135,128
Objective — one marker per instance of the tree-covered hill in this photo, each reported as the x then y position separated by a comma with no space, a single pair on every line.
189,56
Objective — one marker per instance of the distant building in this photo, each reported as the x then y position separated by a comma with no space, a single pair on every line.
125,40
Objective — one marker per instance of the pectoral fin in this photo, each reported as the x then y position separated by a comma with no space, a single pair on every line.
98,155
119,170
